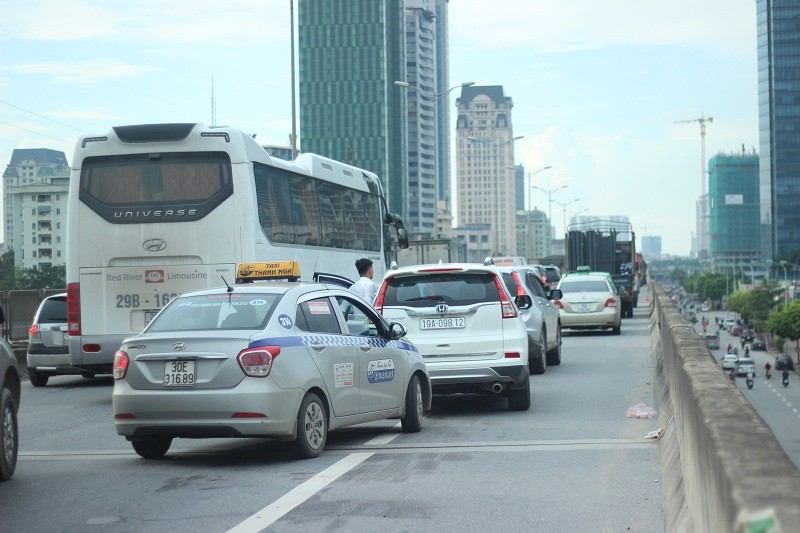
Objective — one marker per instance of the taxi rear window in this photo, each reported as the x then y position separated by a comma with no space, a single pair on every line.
451,289
213,312
587,285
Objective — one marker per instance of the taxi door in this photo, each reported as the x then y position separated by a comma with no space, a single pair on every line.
332,352
382,365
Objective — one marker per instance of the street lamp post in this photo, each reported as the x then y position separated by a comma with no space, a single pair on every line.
430,95
549,199
531,186
495,148
564,208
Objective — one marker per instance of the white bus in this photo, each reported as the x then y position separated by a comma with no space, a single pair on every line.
157,210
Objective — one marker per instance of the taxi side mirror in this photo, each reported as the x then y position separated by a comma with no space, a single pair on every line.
555,294
523,301
396,331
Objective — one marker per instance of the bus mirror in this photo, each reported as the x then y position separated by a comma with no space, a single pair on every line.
402,238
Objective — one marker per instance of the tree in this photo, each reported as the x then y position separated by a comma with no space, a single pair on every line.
47,278
755,304
785,322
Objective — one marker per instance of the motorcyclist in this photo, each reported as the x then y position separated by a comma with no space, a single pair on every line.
730,348
750,380
747,351
768,368
785,375
732,375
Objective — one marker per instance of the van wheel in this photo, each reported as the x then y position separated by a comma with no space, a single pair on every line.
151,447
312,427
412,421
520,400
37,378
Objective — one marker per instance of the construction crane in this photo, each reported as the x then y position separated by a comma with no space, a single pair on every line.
702,121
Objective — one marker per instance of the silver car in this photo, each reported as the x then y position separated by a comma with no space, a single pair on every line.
542,319
589,301
10,376
48,342
285,360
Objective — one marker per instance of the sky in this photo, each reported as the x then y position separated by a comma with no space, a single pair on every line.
599,87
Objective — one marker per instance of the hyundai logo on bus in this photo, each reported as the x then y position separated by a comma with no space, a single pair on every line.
154,245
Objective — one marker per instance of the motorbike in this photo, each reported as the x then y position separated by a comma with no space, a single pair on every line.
785,379
768,373
749,381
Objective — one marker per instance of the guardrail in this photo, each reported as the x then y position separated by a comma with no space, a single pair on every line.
19,307
722,468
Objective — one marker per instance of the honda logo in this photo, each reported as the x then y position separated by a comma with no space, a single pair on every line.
179,346
154,245
441,309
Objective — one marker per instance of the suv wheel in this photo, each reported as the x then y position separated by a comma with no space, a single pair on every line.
536,363
554,355
37,378
520,400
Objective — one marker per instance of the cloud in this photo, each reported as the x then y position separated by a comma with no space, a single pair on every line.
87,72
151,23
570,25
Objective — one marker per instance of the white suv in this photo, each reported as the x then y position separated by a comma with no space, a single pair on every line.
465,324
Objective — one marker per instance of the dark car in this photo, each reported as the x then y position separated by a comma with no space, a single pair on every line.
736,330
553,276
10,373
784,362
748,336
758,345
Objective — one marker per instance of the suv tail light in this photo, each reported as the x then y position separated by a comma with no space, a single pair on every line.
34,330
520,290
509,311
74,309
611,302
257,362
378,304
121,361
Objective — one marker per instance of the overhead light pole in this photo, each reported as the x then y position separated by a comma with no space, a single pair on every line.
530,184
495,149
549,199
294,116
564,209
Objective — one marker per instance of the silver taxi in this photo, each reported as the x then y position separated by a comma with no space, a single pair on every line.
288,360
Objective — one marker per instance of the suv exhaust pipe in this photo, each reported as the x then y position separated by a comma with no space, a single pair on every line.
497,388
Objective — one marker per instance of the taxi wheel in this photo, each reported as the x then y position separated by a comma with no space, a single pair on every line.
412,421
312,427
151,447
9,438
520,400
615,330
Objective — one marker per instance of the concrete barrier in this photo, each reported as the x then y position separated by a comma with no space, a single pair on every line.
720,462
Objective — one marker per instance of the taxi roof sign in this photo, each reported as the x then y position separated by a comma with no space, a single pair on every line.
249,272
584,269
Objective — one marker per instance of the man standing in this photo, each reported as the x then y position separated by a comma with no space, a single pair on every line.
365,287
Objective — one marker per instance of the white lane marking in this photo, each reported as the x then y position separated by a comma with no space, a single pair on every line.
273,512
384,438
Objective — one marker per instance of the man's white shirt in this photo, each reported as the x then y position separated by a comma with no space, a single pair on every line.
365,288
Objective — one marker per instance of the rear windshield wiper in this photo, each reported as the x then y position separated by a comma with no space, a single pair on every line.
426,298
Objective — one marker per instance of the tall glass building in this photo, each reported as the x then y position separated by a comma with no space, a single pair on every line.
733,193
350,53
779,125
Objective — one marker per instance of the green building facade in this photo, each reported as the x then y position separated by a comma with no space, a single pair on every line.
735,234
350,53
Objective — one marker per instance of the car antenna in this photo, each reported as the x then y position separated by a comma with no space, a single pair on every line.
230,289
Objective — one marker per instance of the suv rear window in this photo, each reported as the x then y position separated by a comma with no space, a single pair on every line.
53,311
451,289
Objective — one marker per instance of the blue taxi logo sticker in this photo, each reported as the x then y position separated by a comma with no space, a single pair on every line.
380,371
285,321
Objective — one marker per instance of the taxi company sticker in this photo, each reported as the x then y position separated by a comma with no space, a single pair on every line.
285,321
343,375
380,370
319,308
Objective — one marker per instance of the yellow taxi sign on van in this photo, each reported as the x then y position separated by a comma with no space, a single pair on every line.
249,272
